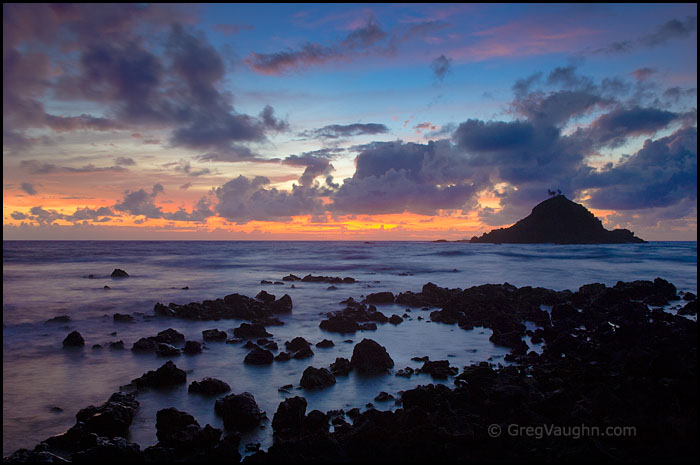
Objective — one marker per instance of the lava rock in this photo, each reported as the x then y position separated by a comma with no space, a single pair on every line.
324,344
118,273
74,339
214,335
59,319
395,319
208,387
368,357
122,318
170,336
289,417
265,297
239,412
259,356
145,344
117,345
282,357
341,367
166,350
192,347
379,298
317,378
250,331
167,375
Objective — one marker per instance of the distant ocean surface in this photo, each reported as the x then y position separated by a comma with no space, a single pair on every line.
44,279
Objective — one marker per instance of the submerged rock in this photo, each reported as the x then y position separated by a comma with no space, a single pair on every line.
192,347
74,339
118,273
214,335
259,356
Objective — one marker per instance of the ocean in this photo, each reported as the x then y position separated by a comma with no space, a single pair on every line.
44,385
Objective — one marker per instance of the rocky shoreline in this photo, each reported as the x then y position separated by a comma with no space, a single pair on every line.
616,379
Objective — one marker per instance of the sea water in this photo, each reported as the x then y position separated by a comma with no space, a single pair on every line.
44,385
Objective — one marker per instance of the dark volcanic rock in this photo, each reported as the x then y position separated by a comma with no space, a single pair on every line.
59,319
117,345
368,357
117,273
167,375
289,417
145,344
265,297
296,344
340,324
439,369
214,335
240,412
383,397
395,319
282,357
259,356
324,344
179,430
170,336
341,366
231,306
209,387
112,418
105,450
122,318
74,339
317,378
560,221
305,352
379,298
192,347
251,331
166,350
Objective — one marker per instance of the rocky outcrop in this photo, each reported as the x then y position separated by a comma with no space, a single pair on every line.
239,412
167,375
232,306
368,357
74,339
118,273
317,378
558,221
208,387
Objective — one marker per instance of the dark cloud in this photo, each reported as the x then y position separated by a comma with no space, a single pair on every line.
314,166
613,128
673,29
364,39
140,202
37,167
232,154
441,66
120,63
661,174
125,161
28,188
335,131
393,177
557,108
242,200
184,166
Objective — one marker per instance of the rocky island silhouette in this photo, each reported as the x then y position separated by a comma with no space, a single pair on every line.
558,220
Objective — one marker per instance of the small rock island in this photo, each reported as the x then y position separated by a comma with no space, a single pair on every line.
558,220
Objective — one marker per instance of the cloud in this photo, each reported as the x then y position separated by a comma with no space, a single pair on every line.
363,39
612,129
125,161
661,174
140,202
243,199
314,166
184,166
674,29
37,167
166,78
394,177
441,66
28,188
335,131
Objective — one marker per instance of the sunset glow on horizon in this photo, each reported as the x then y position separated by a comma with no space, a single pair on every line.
344,121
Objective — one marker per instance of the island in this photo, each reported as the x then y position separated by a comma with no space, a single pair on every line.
558,220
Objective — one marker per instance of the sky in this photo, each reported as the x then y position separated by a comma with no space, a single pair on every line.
345,121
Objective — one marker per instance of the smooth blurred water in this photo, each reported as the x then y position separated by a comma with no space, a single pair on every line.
45,279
